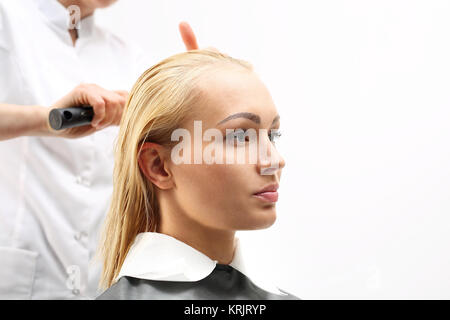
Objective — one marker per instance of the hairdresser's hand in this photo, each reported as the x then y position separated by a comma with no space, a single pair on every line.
108,107
189,39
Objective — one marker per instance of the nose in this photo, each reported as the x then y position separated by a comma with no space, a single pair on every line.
270,160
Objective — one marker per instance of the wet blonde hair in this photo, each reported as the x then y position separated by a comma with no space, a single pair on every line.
159,102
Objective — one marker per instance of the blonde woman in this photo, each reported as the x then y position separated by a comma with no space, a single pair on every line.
177,204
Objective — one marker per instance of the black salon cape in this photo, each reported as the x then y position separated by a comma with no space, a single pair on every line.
223,283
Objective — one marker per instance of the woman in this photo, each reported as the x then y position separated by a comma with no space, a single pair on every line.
170,229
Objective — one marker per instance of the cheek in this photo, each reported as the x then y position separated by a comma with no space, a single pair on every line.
210,183
220,189
220,196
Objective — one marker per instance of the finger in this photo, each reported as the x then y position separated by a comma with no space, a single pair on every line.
118,117
85,94
96,97
124,97
71,99
98,104
110,113
188,36
122,93
114,105
119,113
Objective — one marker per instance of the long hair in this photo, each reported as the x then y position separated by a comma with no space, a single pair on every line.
162,97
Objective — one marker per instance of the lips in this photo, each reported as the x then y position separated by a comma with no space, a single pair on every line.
268,193
273,187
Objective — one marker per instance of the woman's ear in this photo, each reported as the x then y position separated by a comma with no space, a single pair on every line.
151,161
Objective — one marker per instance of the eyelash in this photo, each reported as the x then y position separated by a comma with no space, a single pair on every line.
272,135
276,134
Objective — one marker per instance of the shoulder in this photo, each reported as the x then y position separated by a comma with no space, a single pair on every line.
16,10
16,18
115,41
130,52
120,290
6,6
223,283
130,288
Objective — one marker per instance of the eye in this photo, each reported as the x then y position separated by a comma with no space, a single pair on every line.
238,133
274,135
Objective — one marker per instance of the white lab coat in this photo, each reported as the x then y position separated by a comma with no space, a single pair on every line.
55,192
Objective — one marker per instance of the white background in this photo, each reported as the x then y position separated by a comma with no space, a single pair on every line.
363,90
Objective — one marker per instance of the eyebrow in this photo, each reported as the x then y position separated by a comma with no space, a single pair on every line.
248,115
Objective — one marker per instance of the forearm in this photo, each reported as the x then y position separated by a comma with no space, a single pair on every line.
19,120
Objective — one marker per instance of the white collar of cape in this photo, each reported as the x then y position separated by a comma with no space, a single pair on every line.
158,256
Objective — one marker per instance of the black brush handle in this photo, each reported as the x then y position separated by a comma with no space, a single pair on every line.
63,118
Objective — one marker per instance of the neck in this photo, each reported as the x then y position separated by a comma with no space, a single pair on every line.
84,10
216,244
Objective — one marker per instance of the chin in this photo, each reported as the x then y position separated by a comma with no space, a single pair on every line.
103,3
270,221
262,219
